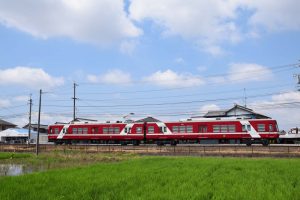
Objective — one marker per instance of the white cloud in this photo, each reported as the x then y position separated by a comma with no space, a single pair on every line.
170,78
29,77
91,21
209,107
281,107
179,61
116,77
211,23
208,22
128,47
244,72
279,15
4,103
20,98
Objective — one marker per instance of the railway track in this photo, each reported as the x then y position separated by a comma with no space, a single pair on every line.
192,150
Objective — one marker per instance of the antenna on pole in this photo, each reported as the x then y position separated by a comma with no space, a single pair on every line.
29,123
74,101
245,98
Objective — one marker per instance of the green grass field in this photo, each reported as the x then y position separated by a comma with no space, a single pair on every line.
162,178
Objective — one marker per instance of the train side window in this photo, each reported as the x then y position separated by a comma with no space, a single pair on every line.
182,129
110,130
79,130
117,130
85,130
203,129
138,130
175,129
224,129
105,130
231,128
270,127
189,129
74,131
150,129
216,128
261,128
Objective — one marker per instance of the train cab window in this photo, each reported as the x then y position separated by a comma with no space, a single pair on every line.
189,129
175,129
125,130
244,129
231,128
129,130
165,129
117,130
270,127
150,129
85,130
138,130
248,127
261,128
202,129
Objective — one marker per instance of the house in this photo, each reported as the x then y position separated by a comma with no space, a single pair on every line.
6,125
235,111
34,127
148,119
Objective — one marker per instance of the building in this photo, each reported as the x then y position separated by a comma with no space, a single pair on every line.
235,111
14,135
34,127
6,125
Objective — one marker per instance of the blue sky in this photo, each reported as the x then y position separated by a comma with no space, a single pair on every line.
169,59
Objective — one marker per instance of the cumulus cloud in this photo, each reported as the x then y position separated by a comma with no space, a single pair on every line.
209,107
4,103
116,77
244,72
29,77
282,107
207,21
211,23
170,78
91,21
128,47
280,15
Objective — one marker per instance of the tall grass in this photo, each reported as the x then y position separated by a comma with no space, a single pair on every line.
163,178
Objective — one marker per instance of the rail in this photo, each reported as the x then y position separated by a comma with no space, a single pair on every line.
192,150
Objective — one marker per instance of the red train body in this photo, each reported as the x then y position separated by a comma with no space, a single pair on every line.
222,130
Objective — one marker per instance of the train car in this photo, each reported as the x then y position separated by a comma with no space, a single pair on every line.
203,131
291,137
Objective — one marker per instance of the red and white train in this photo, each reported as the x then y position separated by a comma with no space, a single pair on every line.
230,130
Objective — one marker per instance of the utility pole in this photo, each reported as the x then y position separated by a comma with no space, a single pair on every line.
29,123
245,98
39,123
74,101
